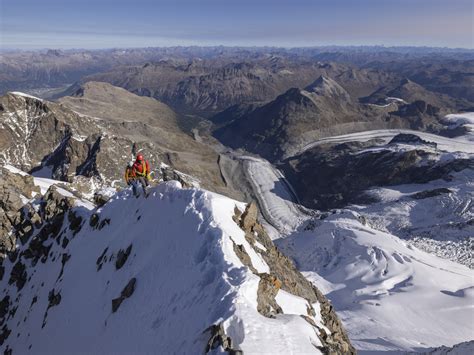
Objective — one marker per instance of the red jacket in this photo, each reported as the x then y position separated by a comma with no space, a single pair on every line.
140,169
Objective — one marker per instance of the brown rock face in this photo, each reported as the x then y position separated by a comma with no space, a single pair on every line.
249,217
12,188
55,204
268,288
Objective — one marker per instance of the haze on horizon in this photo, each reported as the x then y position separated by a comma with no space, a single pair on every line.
93,24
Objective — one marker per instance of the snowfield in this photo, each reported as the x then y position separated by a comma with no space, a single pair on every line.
188,277
441,225
465,119
389,294
385,266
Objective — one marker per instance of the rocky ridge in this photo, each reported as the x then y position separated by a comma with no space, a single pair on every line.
58,225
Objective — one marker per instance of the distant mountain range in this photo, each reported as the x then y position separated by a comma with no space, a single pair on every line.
190,77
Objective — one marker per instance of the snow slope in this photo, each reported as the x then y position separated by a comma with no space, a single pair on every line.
389,294
440,224
392,296
188,278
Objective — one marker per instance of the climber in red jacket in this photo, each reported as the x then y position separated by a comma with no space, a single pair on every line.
139,173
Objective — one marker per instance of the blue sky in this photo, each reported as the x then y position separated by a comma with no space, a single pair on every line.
32,24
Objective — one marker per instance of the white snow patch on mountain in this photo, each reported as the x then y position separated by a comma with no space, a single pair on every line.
465,119
391,99
14,170
18,93
460,118
440,224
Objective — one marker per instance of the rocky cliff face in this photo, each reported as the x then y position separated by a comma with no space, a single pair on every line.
14,190
53,141
95,133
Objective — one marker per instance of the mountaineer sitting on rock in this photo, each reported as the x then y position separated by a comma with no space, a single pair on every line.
138,172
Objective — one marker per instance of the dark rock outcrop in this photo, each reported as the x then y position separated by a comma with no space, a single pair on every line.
54,298
18,275
55,204
126,293
410,139
170,174
101,259
431,193
218,337
101,199
122,257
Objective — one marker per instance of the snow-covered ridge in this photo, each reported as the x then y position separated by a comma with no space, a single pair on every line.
458,349
180,275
